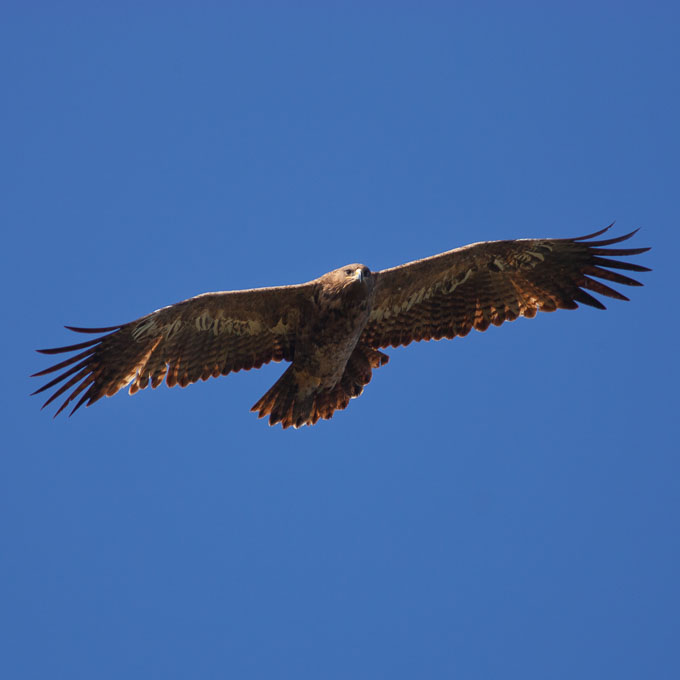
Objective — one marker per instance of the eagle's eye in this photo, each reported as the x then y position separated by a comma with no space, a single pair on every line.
348,272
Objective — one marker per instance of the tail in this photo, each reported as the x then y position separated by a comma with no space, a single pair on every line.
295,400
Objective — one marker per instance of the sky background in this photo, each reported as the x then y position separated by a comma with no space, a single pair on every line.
503,505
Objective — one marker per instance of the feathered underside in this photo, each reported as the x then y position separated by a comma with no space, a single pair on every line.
488,283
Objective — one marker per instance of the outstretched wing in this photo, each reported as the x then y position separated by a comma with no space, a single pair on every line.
492,282
208,335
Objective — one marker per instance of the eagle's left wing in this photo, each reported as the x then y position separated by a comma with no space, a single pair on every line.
492,282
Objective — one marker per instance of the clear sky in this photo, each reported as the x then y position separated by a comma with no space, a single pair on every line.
500,506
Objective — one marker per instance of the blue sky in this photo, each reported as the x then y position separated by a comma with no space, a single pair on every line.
503,505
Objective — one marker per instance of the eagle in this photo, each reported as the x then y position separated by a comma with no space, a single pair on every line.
332,329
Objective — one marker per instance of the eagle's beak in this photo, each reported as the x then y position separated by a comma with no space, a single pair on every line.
359,274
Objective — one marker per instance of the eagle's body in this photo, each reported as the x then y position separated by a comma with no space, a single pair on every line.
332,328
328,369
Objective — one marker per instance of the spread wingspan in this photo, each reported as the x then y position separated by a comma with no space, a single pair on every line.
332,328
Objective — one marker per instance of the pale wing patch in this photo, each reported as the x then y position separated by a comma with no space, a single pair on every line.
204,322
460,281
218,325
529,258
173,327
146,328
280,329
150,328
536,254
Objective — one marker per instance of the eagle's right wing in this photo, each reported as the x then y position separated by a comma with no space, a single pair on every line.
207,335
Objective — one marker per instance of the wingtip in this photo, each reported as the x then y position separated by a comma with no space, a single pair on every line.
80,329
595,233
645,250
61,408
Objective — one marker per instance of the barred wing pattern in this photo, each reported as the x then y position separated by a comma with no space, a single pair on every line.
202,337
491,282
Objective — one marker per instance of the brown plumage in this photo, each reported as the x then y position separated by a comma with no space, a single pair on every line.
332,328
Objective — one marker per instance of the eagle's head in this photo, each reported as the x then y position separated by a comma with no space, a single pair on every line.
349,275
350,281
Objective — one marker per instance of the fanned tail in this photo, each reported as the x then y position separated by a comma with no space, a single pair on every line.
283,398
294,400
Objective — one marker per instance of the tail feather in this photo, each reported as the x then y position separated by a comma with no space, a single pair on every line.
291,401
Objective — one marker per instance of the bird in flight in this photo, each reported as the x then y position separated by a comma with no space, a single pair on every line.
332,329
